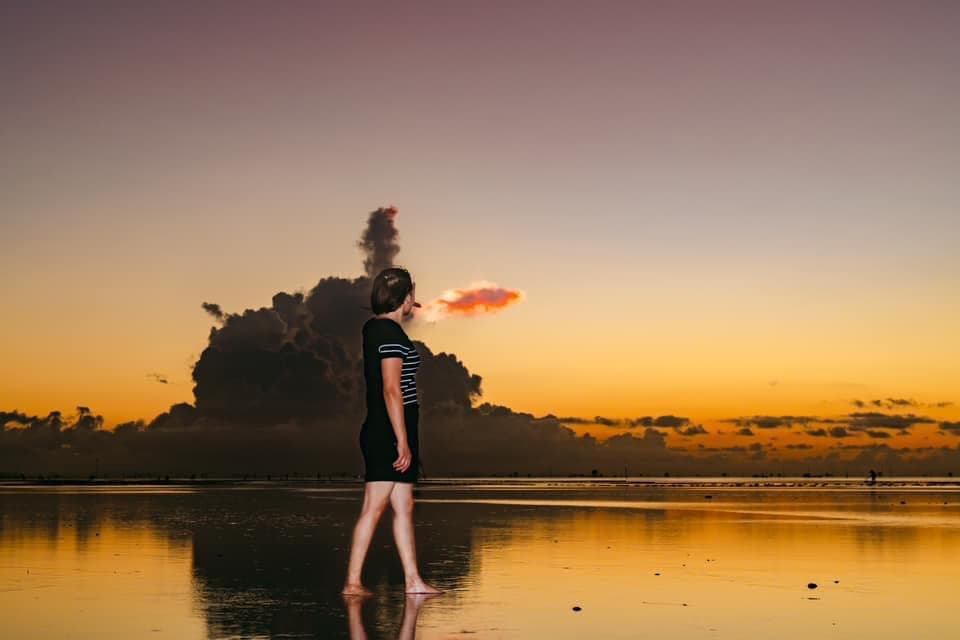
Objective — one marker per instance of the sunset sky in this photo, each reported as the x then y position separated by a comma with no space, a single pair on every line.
713,210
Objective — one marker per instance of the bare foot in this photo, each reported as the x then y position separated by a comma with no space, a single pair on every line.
419,586
356,589
416,600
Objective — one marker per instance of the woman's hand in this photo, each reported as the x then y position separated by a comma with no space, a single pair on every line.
402,463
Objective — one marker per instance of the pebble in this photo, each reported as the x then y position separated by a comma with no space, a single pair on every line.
811,585
576,608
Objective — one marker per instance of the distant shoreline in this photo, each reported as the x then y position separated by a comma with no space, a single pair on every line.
556,481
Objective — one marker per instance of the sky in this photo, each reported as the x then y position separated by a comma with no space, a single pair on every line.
713,211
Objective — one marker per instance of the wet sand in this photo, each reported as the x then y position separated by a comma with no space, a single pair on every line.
647,558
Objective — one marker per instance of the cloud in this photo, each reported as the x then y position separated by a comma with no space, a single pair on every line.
299,359
895,403
772,422
280,388
950,427
478,297
486,439
864,421
213,309
692,430
671,421
380,241
666,421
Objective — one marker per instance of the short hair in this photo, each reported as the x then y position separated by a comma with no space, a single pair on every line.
390,288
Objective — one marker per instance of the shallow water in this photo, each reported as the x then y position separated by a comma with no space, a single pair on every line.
641,560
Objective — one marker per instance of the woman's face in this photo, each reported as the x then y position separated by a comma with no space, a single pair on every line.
409,301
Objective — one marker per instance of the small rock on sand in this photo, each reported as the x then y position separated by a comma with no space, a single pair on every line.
576,608
811,585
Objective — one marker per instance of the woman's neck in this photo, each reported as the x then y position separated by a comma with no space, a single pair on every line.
388,316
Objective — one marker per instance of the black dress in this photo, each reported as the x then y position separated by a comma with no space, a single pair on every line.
384,338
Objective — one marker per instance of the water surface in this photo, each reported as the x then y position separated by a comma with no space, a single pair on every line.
640,559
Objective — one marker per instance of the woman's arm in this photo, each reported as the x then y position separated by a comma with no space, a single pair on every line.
393,398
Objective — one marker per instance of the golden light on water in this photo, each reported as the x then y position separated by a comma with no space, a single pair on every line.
515,561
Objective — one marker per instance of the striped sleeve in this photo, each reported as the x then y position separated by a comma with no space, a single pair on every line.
391,350
391,343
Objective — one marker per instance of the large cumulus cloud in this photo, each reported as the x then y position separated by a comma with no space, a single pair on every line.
279,389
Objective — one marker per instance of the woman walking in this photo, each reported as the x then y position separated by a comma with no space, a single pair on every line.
389,436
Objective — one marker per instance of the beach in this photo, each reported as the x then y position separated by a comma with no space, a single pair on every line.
517,558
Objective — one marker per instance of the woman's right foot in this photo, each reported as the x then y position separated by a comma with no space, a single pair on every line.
421,587
356,589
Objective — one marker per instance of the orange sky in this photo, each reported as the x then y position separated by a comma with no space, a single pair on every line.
762,224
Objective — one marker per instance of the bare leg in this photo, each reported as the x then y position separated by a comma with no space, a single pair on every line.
375,498
401,499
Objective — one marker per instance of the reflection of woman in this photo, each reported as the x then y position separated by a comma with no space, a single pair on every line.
389,437
408,626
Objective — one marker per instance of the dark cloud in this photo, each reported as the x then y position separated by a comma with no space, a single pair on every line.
280,389
772,422
864,421
444,382
570,419
667,421
607,422
819,433
673,422
950,427
298,360
486,439
692,430
838,432
213,309
744,431
379,241
895,403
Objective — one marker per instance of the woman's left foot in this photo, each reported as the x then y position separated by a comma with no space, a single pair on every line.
420,586
355,589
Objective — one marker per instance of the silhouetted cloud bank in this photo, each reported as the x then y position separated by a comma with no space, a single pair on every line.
279,389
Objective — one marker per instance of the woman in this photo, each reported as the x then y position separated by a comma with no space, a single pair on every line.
388,438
